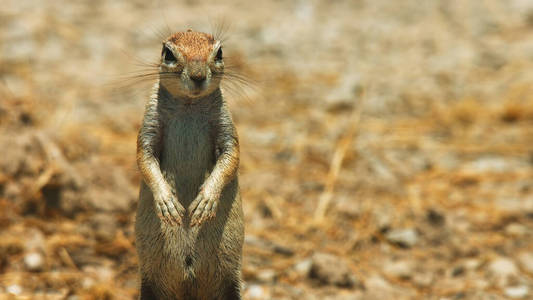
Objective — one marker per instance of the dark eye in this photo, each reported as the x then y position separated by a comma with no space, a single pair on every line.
168,57
218,57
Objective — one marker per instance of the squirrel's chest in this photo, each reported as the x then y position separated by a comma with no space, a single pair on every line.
188,145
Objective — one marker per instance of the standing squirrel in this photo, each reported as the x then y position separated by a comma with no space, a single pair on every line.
189,227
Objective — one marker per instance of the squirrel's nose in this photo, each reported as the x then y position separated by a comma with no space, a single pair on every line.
197,78
197,72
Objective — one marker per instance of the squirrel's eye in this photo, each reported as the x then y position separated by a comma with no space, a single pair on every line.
218,57
168,56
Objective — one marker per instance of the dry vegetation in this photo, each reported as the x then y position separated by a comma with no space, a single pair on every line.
387,149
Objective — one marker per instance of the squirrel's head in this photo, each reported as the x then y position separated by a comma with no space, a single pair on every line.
191,64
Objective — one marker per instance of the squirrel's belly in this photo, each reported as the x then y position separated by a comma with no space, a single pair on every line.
164,249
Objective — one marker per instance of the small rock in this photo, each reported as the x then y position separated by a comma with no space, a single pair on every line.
493,164
516,292
14,289
255,292
526,262
376,282
503,270
347,207
472,264
343,97
34,261
34,240
268,275
88,282
405,238
330,269
515,229
399,269
303,267
423,280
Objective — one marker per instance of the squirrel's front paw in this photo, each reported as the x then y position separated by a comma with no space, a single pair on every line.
204,207
169,209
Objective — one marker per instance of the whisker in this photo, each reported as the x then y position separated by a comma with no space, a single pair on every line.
238,85
158,33
220,26
138,60
166,32
126,83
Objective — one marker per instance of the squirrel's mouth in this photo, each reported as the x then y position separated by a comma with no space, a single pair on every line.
197,91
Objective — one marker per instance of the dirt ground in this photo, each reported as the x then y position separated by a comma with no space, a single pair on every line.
386,146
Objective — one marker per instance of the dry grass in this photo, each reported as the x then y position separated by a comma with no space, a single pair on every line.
440,145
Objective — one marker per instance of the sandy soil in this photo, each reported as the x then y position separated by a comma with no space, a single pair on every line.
387,146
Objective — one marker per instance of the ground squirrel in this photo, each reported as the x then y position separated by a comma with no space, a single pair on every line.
189,227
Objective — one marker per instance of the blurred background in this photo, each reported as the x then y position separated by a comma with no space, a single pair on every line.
386,146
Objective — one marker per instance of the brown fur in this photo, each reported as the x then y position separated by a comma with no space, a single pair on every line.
189,227
193,45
